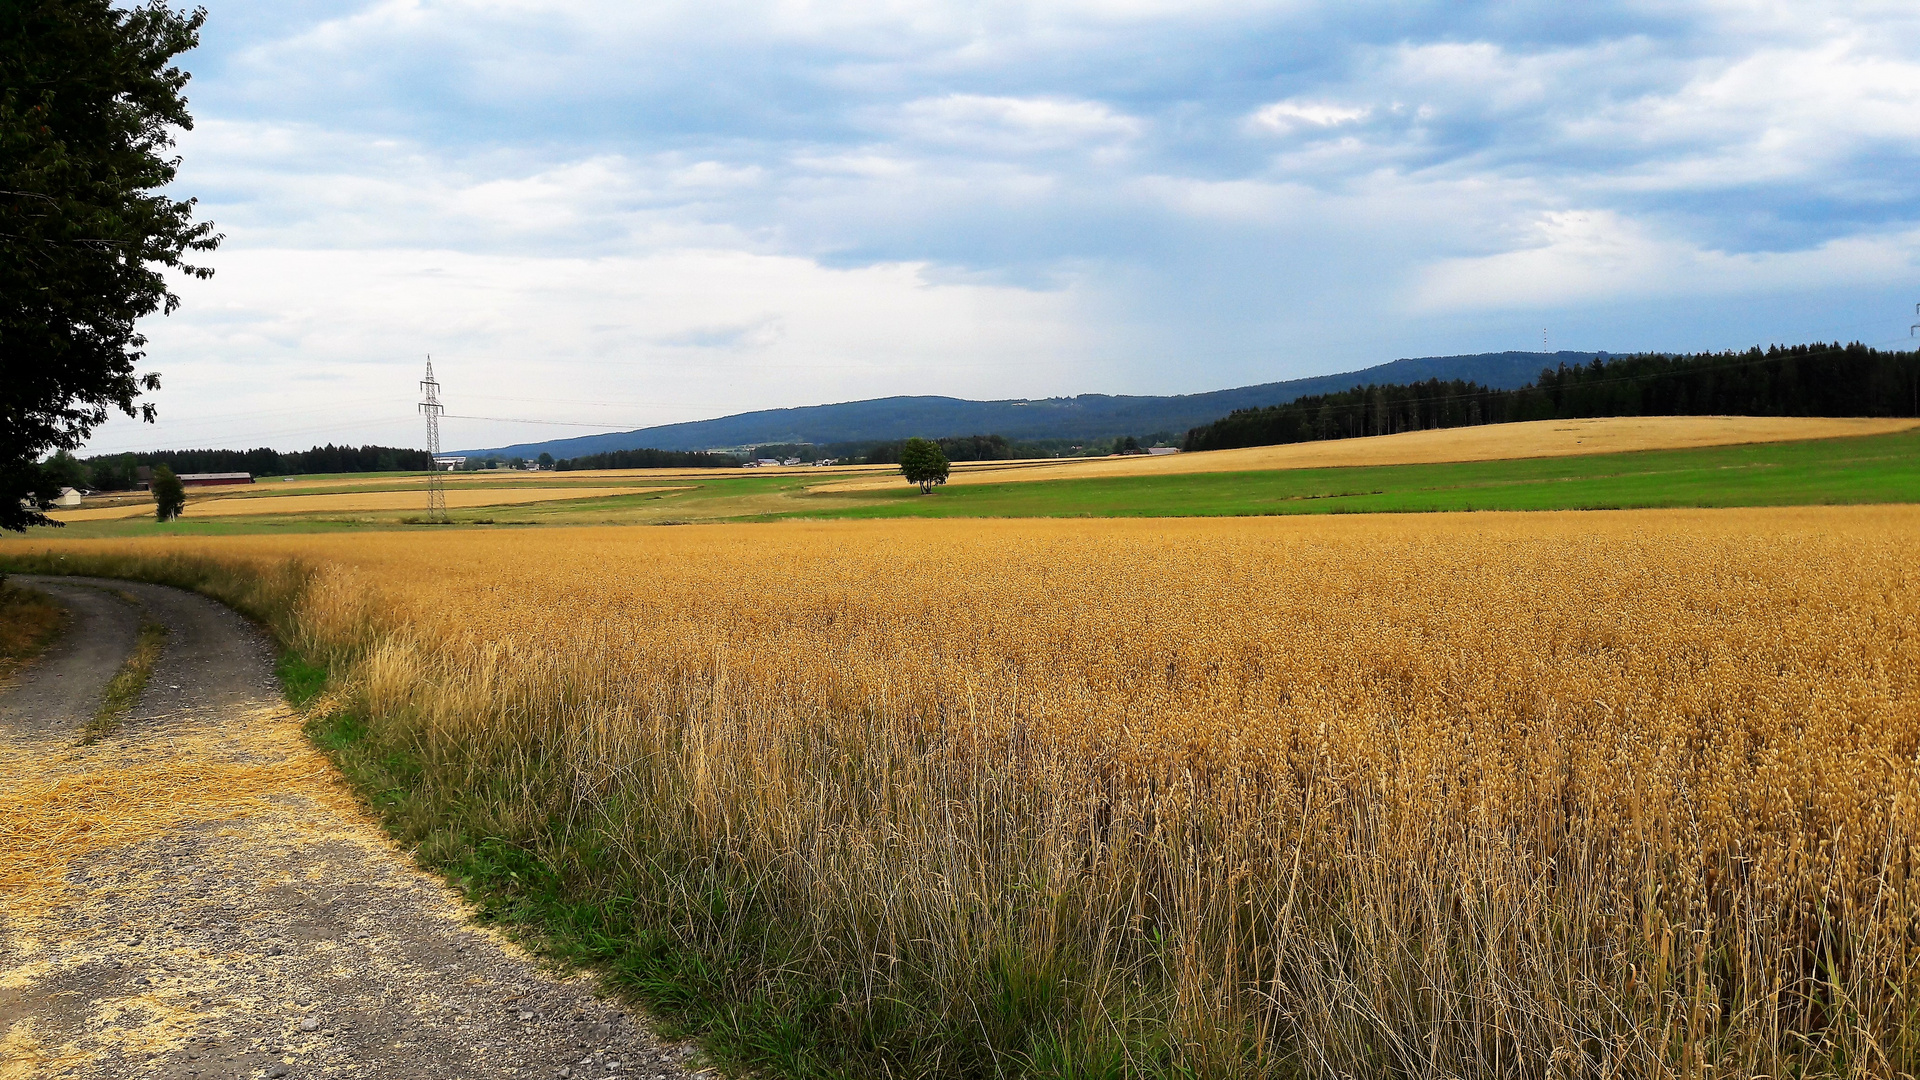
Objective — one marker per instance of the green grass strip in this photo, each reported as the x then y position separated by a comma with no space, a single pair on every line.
128,682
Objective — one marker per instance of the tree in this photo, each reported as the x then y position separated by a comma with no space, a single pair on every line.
63,470
90,105
169,495
545,459
922,462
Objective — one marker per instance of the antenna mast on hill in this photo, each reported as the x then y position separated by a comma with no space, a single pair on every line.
430,405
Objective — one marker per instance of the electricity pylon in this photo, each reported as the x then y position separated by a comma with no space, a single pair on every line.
430,405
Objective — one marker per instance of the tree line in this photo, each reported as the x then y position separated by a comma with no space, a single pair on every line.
965,448
649,459
118,472
1798,380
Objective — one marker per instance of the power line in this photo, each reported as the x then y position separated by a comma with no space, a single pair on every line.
518,420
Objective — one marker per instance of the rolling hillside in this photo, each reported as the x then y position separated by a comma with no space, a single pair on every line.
1087,416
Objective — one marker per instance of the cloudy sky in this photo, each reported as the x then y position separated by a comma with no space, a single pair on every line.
609,215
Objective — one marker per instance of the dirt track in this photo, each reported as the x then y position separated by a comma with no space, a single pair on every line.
197,897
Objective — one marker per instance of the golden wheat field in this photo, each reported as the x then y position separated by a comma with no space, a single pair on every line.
1539,795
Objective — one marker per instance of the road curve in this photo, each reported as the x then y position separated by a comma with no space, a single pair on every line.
197,897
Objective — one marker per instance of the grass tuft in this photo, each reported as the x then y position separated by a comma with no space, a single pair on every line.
124,690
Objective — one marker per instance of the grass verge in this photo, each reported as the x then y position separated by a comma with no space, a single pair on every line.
29,622
710,957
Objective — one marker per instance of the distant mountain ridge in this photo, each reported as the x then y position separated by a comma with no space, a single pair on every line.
1086,416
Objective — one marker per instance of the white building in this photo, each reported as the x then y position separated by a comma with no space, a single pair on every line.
450,462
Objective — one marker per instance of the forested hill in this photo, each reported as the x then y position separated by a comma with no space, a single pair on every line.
1801,380
1087,416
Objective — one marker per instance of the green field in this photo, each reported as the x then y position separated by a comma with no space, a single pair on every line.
1873,469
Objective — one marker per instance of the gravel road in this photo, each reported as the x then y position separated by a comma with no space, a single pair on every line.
198,897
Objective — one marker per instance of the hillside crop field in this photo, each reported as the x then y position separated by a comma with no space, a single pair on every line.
1863,469
1490,442
1493,795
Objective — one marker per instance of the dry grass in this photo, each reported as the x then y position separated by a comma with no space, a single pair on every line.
66,806
357,502
1493,442
29,621
1600,794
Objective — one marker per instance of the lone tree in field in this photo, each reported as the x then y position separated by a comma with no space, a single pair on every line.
922,462
89,103
169,495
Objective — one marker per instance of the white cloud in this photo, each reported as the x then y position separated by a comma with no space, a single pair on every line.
669,336
1597,256
737,203
1014,123
1286,117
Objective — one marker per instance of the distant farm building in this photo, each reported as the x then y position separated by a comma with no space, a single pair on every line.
143,478
450,463
1159,451
214,479
68,497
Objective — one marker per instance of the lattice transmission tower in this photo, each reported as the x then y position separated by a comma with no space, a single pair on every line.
430,405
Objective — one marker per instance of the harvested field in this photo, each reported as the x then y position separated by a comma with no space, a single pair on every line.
1493,442
1554,794
357,502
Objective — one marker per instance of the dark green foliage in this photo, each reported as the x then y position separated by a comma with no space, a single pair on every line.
959,448
116,472
169,495
649,459
1802,380
955,447
975,448
64,470
806,452
922,462
89,102
303,679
